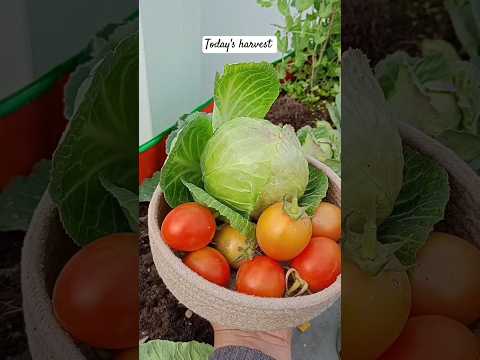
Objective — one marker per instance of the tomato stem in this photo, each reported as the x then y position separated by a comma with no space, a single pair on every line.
291,207
298,287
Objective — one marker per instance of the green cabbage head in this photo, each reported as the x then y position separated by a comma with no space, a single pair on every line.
250,164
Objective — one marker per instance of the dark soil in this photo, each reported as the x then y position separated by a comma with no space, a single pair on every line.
286,110
13,340
379,27
161,315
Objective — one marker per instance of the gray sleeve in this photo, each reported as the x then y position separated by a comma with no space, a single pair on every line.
238,353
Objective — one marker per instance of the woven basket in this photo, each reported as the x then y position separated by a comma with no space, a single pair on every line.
225,306
46,249
462,217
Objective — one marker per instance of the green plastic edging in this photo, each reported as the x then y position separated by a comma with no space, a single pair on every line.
34,90
158,138
155,140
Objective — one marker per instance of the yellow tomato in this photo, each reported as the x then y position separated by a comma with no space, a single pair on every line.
280,236
233,245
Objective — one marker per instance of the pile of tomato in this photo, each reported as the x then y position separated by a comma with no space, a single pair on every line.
290,253
426,312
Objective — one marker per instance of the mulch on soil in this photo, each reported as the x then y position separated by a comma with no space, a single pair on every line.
380,28
286,110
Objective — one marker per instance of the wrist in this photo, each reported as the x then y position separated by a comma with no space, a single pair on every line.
274,344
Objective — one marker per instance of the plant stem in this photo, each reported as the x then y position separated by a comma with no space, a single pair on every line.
290,206
324,47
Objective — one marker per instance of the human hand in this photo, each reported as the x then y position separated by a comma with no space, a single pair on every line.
276,344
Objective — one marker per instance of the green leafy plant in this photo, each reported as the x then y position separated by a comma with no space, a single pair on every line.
323,142
312,29
163,349
393,196
444,93
442,86
93,170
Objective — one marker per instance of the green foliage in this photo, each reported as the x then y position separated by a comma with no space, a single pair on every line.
170,350
392,196
444,96
100,143
236,220
244,90
183,162
250,163
127,199
146,190
312,29
316,190
323,142
419,206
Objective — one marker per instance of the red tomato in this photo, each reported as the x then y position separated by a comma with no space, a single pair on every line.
188,227
95,297
130,354
434,337
319,264
327,221
210,264
281,237
261,276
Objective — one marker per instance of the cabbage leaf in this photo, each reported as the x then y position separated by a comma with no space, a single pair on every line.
146,190
316,190
226,214
101,140
244,90
419,206
183,162
170,350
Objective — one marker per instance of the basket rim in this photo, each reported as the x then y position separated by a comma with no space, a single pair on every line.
269,304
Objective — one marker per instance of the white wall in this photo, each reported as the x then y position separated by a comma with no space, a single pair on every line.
15,56
179,76
36,36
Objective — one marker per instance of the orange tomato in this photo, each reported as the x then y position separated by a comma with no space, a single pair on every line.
95,297
188,227
261,276
210,264
446,279
319,264
281,237
434,337
327,221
